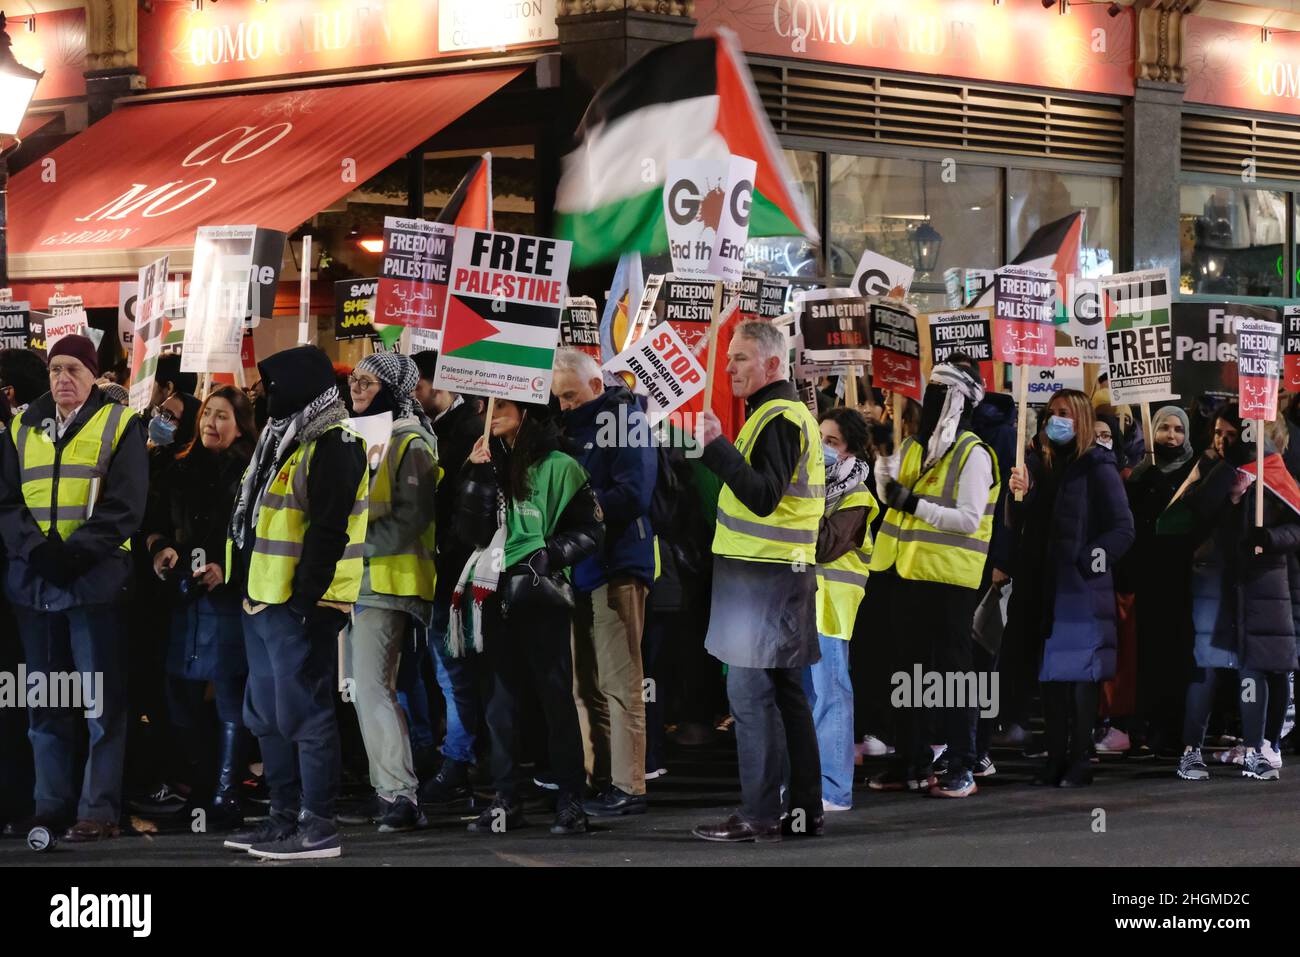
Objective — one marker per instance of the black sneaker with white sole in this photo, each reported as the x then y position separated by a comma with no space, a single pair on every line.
402,815
275,827
165,800
1191,766
314,837
369,811
1255,765
984,767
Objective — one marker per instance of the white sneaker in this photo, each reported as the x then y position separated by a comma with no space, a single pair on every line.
1234,755
830,806
1272,755
655,774
873,747
938,750
1115,741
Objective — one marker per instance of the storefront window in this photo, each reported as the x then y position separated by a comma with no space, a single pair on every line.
513,184
1232,241
879,204
791,255
1038,197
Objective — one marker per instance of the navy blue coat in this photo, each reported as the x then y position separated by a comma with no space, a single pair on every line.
1091,529
611,439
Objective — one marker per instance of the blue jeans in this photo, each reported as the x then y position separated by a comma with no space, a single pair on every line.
456,678
830,695
88,640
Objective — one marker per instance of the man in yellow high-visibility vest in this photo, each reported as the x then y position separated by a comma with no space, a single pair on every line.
929,555
763,622
74,475
295,554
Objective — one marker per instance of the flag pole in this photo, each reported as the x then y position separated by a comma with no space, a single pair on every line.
713,346
1022,410
304,293
487,419
1148,434
1259,478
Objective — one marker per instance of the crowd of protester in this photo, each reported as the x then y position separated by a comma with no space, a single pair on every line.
275,614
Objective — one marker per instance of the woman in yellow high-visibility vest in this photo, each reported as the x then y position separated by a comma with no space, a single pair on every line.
843,553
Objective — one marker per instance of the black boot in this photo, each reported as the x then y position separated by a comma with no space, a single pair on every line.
226,812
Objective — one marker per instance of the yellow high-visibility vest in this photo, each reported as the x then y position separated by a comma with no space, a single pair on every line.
411,572
282,526
921,552
60,485
789,534
840,583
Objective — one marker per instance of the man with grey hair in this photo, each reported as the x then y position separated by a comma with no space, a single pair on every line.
612,438
763,622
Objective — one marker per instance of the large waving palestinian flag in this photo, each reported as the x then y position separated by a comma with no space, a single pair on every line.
691,100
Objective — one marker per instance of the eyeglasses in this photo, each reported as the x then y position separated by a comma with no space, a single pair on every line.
162,412
362,382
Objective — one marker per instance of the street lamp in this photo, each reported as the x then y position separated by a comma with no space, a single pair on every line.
17,85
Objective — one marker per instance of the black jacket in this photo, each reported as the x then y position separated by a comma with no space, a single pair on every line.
118,513
456,431
761,482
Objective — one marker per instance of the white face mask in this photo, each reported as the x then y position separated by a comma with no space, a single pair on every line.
1106,443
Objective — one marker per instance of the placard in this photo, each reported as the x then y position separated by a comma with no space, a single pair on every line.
1066,372
1259,357
879,275
148,333
1085,318
895,349
967,331
1291,345
58,327
835,326
663,369
413,274
580,325
66,305
706,212
772,297
1139,341
1205,346
354,309
503,315
687,307
1024,311
219,298
14,319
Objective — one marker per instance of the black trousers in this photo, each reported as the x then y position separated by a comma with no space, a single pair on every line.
930,624
532,648
1069,712
871,660
774,730
1262,696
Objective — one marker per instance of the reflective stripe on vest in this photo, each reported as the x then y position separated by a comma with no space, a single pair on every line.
840,583
60,484
411,571
922,552
282,527
789,533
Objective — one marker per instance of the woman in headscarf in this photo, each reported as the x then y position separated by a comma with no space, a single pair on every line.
396,586
1155,571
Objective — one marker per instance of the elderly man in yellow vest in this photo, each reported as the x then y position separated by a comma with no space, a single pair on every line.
941,494
295,552
763,622
73,481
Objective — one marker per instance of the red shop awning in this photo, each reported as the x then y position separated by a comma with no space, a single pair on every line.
141,181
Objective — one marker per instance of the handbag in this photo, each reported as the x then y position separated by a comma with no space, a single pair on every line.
524,588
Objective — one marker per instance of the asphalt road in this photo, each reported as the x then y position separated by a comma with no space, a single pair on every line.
1137,813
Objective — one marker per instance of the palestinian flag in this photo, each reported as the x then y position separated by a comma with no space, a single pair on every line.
1277,480
1054,246
690,100
471,204
474,332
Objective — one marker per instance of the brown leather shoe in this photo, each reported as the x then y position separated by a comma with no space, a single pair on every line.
735,829
84,832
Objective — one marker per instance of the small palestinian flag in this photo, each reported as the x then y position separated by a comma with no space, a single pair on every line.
691,100
471,204
524,335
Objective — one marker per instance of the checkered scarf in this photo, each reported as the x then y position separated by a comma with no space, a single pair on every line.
400,375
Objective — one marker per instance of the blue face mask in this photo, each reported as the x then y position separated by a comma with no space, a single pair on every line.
830,454
1060,429
161,431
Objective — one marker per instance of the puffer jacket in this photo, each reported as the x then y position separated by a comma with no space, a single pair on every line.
1244,608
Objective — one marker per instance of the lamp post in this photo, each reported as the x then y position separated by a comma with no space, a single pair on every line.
17,85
